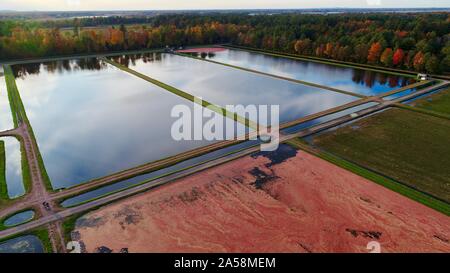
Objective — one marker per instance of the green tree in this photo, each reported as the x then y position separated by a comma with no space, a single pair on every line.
387,57
431,63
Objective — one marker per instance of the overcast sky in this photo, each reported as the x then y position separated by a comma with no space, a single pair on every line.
209,4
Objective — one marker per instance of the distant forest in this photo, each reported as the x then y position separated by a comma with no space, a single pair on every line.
419,42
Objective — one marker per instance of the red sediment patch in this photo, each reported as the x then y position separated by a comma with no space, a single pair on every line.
202,50
303,204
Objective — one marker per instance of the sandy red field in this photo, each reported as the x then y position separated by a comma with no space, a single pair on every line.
201,50
255,204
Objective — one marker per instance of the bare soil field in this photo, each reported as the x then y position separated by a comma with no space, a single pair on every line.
285,201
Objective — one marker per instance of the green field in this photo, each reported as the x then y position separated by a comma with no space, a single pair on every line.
410,147
438,102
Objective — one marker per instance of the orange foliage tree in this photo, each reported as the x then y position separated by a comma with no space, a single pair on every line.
398,57
374,52
419,61
386,57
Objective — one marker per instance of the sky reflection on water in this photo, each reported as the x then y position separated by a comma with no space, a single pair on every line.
13,167
349,79
93,122
224,86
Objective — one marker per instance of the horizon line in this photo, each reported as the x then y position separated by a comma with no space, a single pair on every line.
230,9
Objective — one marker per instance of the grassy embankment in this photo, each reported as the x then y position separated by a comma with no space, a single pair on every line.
69,225
409,147
70,222
3,185
19,115
4,197
41,233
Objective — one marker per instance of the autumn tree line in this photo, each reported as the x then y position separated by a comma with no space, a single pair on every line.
419,42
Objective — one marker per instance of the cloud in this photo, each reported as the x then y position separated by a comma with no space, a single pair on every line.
374,2
72,3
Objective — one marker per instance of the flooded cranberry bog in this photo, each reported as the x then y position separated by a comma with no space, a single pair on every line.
361,81
96,118
91,119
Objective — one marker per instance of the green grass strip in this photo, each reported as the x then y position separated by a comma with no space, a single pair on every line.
377,178
42,234
3,185
276,76
12,91
187,96
69,225
422,111
19,115
323,61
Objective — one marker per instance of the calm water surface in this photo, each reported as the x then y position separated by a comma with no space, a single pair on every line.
226,86
14,180
23,244
349,79
327,118
19,218
91,119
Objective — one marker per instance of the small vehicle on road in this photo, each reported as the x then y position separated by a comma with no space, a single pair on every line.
46,206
